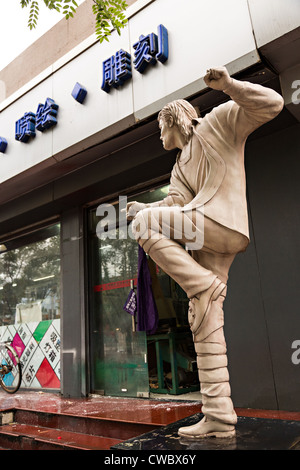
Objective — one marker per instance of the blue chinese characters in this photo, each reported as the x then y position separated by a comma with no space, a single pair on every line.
116,70
46,115
147,50
25,127
44,118
151,48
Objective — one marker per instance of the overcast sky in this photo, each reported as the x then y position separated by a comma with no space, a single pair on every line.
15,36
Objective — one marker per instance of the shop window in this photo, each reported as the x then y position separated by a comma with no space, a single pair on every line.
122,358
30,303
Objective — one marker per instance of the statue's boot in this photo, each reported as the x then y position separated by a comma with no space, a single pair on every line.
219,415
207,428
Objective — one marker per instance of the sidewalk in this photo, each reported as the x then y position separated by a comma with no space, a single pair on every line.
138,410
143,424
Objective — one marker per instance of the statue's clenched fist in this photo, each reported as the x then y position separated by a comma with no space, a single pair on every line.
218,78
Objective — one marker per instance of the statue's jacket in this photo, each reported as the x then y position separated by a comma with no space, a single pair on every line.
210,173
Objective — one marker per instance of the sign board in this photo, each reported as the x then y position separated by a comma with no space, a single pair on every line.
160,56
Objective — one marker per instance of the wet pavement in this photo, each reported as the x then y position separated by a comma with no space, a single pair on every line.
159,420
251,434
140,410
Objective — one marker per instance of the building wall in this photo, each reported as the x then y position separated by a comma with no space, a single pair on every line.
111,144
262,307
104,115
44,52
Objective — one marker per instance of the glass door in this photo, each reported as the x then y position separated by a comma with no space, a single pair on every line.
118,353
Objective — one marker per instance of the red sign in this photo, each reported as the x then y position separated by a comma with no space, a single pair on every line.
115,285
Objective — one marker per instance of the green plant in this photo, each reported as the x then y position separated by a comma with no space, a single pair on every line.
109,14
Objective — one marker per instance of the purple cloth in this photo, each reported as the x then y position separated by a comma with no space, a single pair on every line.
147,318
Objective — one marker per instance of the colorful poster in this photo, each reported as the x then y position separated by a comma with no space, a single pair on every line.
38,346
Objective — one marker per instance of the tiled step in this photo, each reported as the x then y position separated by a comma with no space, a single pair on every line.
97,426
48,421
27,437
36,430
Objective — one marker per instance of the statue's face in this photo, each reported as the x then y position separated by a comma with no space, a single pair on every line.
168,134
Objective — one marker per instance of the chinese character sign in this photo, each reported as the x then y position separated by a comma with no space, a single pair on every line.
38,346
25,127
151,48
44,118
116,70
122,67
147,51
46,115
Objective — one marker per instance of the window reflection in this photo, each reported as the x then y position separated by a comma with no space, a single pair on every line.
30,277
119,363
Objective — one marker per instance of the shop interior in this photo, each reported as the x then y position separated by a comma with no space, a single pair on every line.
126,361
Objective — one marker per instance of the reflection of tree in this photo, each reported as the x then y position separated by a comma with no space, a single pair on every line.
118,259
22,271
113,259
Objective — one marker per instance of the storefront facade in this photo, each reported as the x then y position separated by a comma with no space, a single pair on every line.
71,156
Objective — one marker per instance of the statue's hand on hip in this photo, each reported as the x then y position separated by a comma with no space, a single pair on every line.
218,78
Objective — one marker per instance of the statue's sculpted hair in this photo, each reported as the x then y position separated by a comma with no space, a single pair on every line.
182,113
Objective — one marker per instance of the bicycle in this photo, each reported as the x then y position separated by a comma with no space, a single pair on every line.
10,368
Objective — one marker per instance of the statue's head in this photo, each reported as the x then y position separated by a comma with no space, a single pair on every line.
175,122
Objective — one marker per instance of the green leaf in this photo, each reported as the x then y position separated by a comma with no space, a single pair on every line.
109,14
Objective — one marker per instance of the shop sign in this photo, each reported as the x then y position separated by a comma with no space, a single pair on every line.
44,118
26,126
148,50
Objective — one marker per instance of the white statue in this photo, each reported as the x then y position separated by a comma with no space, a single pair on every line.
208,194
